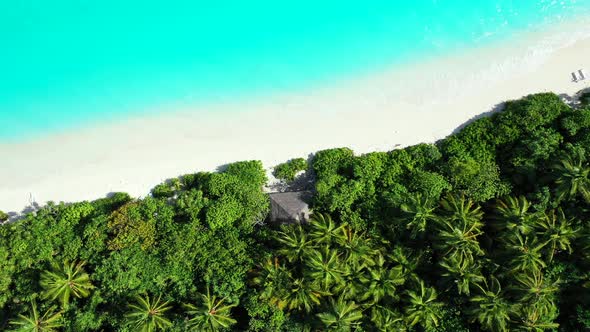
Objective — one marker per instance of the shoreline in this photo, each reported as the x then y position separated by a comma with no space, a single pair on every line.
418,103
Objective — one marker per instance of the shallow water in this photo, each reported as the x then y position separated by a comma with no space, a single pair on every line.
65,64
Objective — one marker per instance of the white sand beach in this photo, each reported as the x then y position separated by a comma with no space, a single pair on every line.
422,102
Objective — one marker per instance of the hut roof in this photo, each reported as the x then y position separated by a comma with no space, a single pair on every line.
290,206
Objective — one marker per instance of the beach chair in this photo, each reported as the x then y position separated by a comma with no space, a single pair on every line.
582,74
574,77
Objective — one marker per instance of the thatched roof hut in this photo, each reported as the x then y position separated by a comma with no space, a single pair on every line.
289,207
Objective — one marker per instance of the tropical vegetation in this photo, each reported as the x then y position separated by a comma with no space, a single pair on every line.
485,230
288,170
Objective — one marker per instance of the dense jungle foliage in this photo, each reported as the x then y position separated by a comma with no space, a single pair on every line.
486,230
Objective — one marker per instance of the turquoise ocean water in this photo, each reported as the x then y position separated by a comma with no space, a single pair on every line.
66,63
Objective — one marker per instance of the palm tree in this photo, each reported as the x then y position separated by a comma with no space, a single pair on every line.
295,243
383,281
512,214
210,314
491,309
50,321
459,227
273,279
530,318
534,288
357,249
418,211
387,320
64,281
423,308
303,294
342,315
324,230
557,231
325,266
458,239
525,253
463,210
353,282
463,271
408,259
572,177
148,314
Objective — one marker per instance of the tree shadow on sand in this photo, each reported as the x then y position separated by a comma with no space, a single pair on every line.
572,101
497,108
303,182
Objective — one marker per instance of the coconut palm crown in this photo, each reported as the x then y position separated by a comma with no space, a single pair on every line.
65,280
50,321
210,314
148,314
